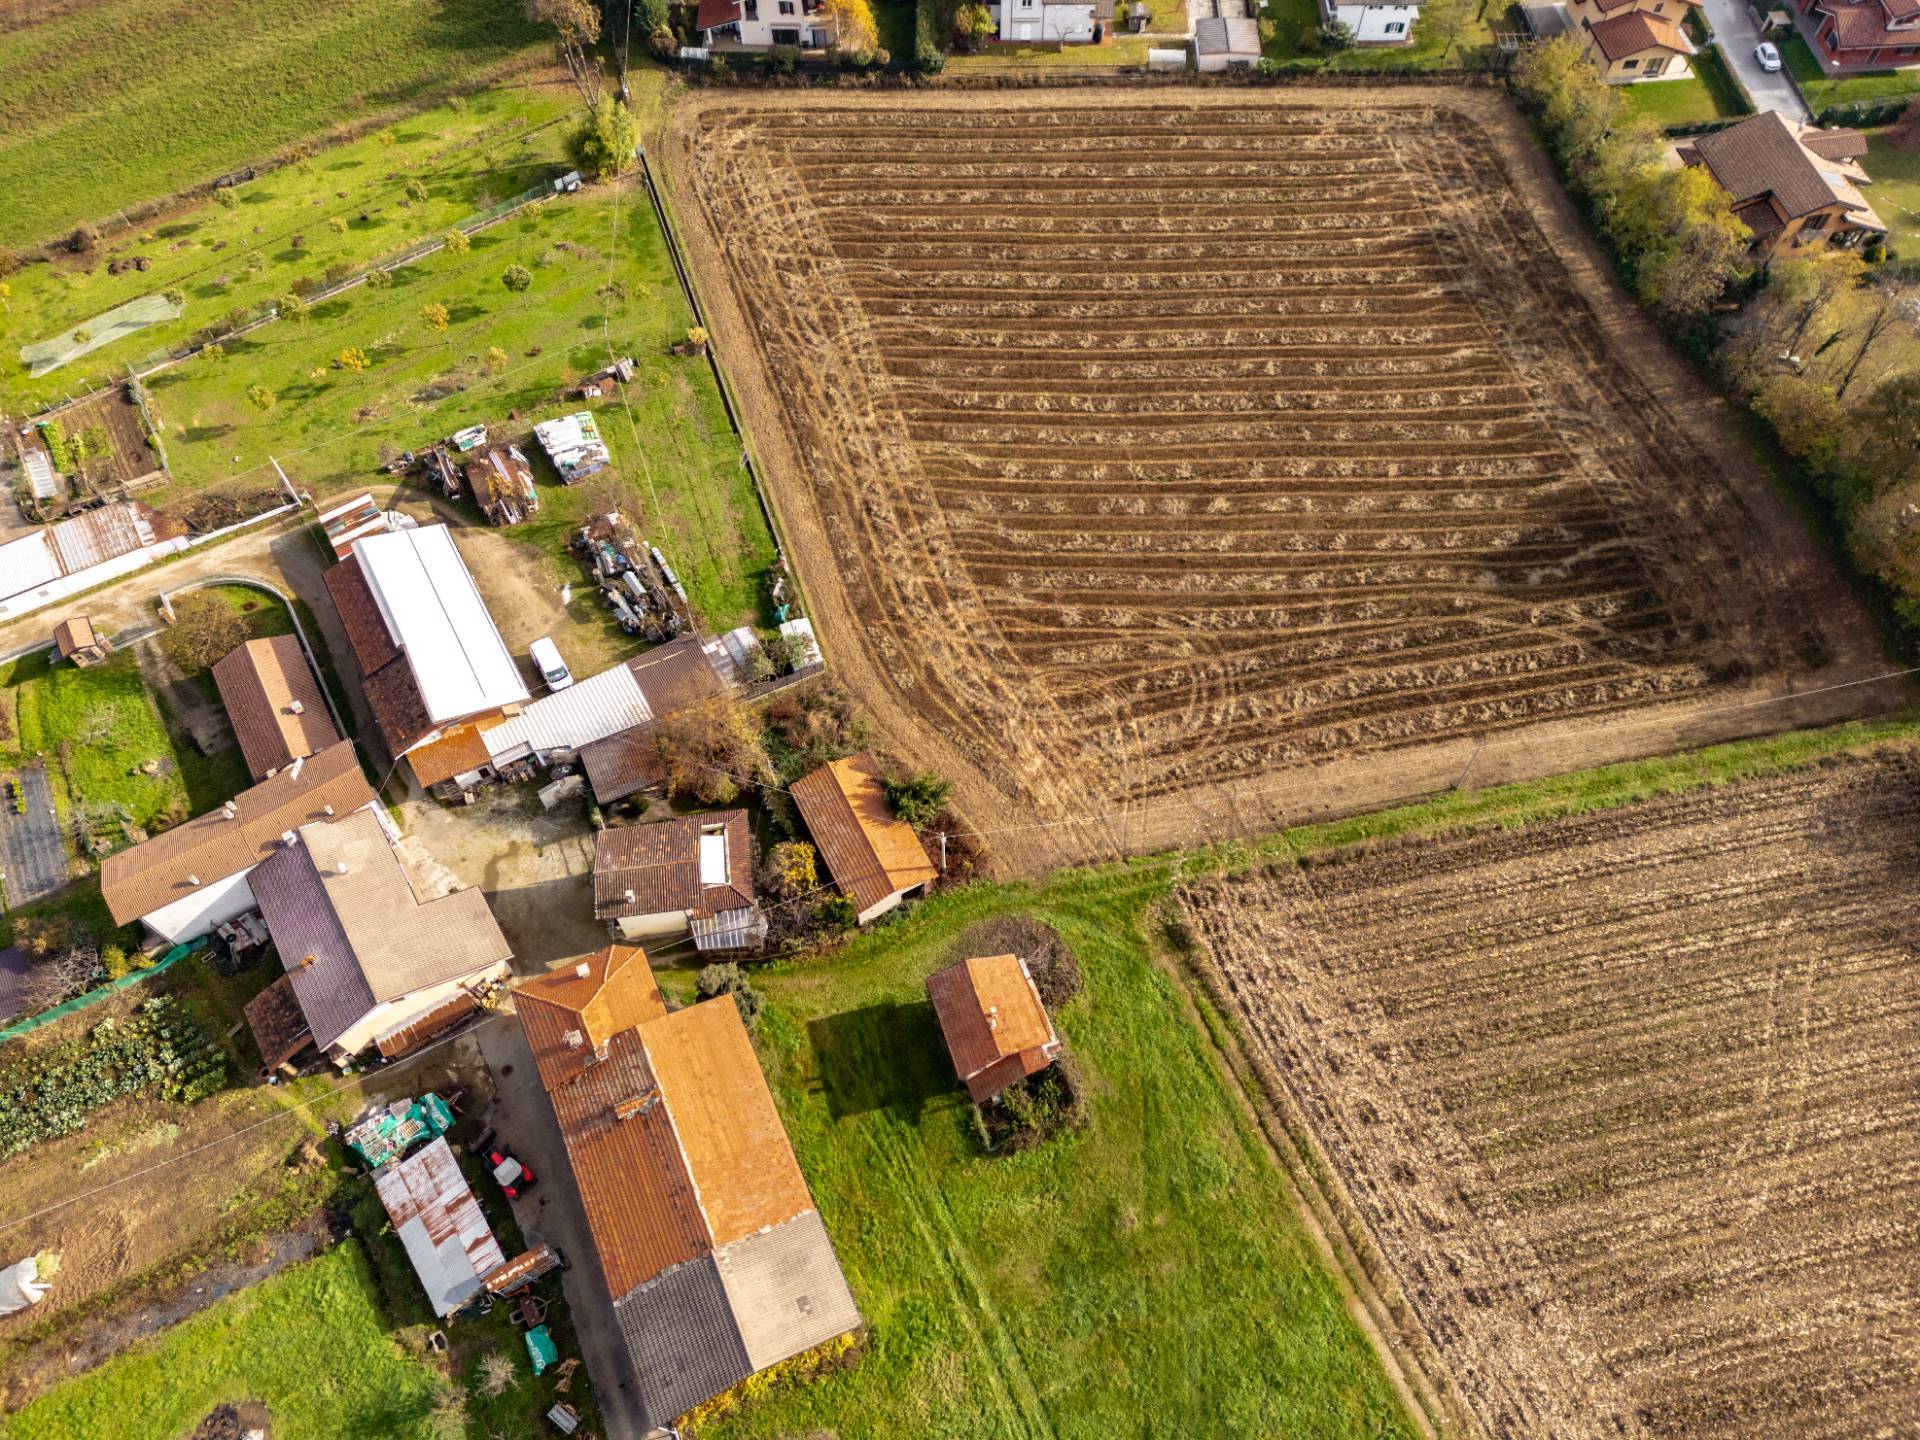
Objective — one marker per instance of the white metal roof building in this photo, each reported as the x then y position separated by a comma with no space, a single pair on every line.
438,1220
586,711
46,485
434,612
574,445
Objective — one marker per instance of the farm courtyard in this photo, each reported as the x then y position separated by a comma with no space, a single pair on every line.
1624,1099
1191,465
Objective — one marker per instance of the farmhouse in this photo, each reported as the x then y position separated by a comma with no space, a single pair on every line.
715,1259
1632,40
995,1026
74,639
367,958
1866,33
183,882
1790,185
274,701
672,677
430,660
502,485
439,1222
573,442
693,875
873,856
760,24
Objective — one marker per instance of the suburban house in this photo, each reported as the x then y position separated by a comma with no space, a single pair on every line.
873,856
1865,33
1025,21
996,1029
184,881
502,484
368,960
1631,40
1790,184
672,677
274,702
438,1220
1374,24
760,24
716,1261
431,662
573,442
74,639
693,875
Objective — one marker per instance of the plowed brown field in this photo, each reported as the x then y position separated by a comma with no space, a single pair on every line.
1626,1102
1189,461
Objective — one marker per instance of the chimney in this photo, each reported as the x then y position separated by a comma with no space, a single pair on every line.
193,880
339,867
573,1039
306,962
326,809
296,708
289,838
228,810
583,970
628,894
294,769
993,1017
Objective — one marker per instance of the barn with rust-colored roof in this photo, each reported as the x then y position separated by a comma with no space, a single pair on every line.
274,702
438,1220
716,1262
872,855
994,1023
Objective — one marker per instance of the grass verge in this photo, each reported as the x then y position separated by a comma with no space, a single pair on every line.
1822,90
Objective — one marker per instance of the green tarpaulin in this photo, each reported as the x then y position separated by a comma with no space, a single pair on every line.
541,1349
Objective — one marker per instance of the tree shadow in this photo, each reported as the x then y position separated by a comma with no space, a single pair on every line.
883,1057
197,433
175,231
460,314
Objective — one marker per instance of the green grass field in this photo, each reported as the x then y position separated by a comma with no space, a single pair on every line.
110,105
1447,35
1895,192
1673,102
345,207
602,284
1821,91
309,1344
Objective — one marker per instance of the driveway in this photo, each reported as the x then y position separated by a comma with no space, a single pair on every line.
551,1211
1737,31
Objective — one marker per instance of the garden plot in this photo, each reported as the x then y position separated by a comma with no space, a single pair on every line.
33,851
1140,449
1624,1100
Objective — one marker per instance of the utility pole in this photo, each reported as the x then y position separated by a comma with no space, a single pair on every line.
1460,779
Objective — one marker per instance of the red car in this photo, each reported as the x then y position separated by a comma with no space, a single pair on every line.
514,1177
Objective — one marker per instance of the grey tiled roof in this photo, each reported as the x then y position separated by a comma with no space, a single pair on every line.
786,1291
681,1339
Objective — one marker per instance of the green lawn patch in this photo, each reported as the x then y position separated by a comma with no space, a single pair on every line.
601,281
1895,192
285,229
1822,90
1674,102
309,1344
109,105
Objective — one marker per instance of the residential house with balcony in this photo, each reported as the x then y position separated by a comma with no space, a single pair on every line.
1791,184
1634,40
1865,33
762,24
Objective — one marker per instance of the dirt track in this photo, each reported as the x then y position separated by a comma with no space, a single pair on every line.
1172,465
1625,1101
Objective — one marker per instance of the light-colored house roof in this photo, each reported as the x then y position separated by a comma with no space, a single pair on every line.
274,702
672,677
40,477
438,1220
104,534
705,1230
352,932
27,563
570,719
175,863
868,850
702,864
1216,36
434,612
995,1027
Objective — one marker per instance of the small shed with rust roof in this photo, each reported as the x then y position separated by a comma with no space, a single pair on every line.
872,854
75,639
995,1026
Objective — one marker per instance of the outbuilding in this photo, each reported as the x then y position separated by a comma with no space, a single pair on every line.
873,856
994,1023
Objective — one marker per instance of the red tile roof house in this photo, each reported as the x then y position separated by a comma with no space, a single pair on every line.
184,881
1866,34
994,1023
873,856
1790,184
366,957
717,1264
274,703
690,876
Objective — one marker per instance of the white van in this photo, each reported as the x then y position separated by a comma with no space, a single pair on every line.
546,659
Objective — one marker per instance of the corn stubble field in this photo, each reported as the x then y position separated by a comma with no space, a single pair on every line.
1625,1100
1156,446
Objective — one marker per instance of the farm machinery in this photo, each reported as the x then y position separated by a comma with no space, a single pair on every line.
633,577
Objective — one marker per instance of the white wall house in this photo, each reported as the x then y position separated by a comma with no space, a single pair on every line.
1022,21
1375,24
761,24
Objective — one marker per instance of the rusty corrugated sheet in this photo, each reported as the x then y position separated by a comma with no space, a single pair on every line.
437,1021
870,853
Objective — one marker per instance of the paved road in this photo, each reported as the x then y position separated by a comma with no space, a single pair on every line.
1737,32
